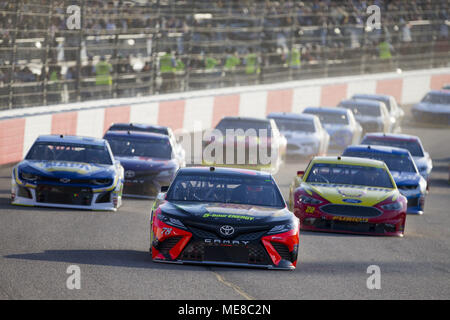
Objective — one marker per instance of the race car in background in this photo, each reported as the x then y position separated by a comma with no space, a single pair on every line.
246,142
433,108
304,133
411,143
224,216
372,115
148,159
340,124
68,172
403,169
349,195
178,149
395,112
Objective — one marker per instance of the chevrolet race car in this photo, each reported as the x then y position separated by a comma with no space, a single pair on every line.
305,135
403,169
340,124
245,142
68,172
224,216
411,143
348,195
148,159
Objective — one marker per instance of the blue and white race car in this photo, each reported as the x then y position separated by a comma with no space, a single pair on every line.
403,169
411,143
68,172
340,124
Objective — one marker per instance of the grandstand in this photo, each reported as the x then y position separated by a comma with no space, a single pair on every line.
209,44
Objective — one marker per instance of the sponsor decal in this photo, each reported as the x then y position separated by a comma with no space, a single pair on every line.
226,242
229,216
82,168
310,209
129,174
351,192
350,219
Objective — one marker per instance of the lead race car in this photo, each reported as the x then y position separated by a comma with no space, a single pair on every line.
68,172
224,216
348,195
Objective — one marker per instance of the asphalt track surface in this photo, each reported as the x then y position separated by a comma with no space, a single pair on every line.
37,245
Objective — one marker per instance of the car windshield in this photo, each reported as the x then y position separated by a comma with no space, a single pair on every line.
330,117
245,124
412,146
331,173
395,162
285,124
437,98
386,101
363,110
252,190
140,147
127,127
56,151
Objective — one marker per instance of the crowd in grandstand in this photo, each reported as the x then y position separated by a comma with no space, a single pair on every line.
219,38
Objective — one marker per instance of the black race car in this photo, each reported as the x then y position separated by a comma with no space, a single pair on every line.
224,216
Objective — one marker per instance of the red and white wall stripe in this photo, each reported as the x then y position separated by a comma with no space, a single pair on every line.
19,128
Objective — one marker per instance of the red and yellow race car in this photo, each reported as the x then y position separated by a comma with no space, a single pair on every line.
349,195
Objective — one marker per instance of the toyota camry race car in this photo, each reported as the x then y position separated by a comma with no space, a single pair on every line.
68,172
348,195
224,216
403,169
148,160
372,115
434,108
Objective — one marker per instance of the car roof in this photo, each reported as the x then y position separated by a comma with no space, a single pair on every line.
440,92
365,102
71,139
137,134
222,170
337,110
349,161
141,126
391,136
372,96
291,115
377,149
245,119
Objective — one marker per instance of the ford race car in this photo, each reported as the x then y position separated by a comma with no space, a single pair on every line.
224,216
68,172
411,143
148,160
340,124
305,135
348,195
401,165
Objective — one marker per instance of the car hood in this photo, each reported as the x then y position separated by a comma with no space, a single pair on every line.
335,128
217,213
67,169
301,136
431,107
365,119
349,194
405,178
146,164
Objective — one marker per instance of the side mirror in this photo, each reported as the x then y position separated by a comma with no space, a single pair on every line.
164,189
161,196
300,173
